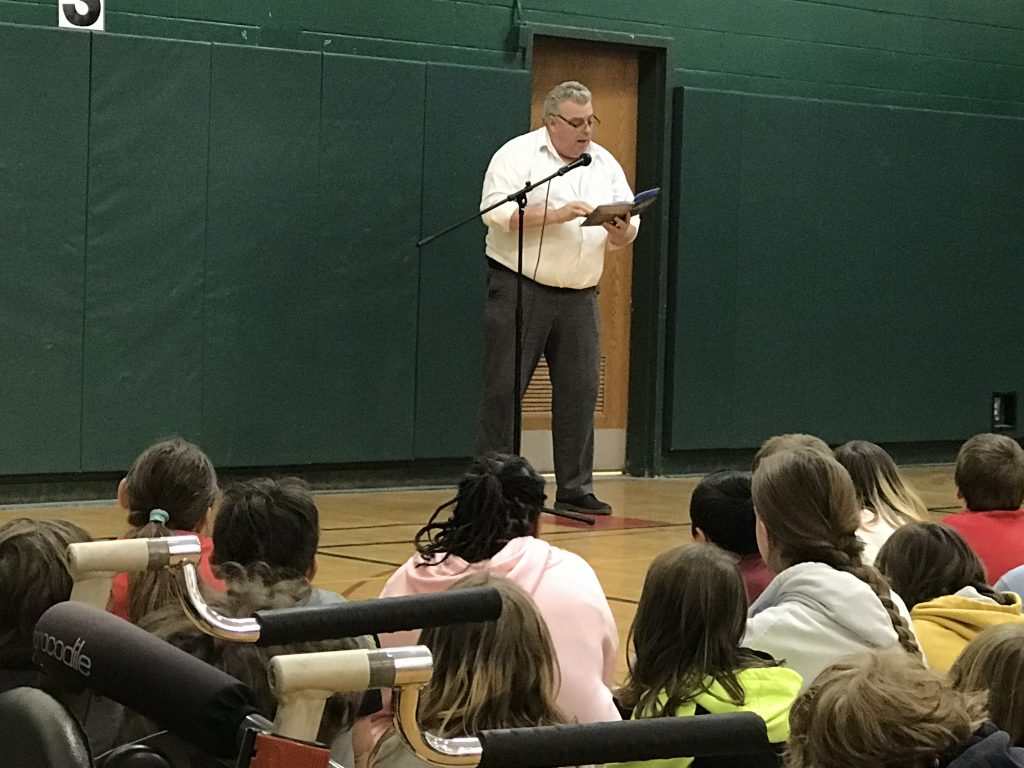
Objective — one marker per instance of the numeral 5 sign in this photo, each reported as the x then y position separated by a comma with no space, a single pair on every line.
81,14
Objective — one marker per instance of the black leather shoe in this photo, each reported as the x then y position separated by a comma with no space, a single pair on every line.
588,504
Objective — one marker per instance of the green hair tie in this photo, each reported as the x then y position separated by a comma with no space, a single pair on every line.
159,516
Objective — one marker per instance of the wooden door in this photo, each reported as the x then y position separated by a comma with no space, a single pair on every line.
611,73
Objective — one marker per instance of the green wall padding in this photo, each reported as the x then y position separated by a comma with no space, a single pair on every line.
44,125
147,241
367,265
711,122
262,382
848,273
470,113
961,183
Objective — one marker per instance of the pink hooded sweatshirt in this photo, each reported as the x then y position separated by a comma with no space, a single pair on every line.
568,596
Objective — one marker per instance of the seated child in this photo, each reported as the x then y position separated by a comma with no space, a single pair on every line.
249,663
886,501
33,577
487,675
993,665
269,530
943,583
722,513
492,528
989,478
886,710
273,526
825,602
169,490
686,658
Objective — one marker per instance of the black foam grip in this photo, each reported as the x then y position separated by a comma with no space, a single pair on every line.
369,617
659,738
83,647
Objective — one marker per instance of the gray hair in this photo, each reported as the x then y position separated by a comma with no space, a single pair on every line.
570,90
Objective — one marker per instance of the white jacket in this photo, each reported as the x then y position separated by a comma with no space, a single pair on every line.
812,614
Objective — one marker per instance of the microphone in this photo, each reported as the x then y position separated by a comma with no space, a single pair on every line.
583,159
80,646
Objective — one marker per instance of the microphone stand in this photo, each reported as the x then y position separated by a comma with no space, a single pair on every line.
519,198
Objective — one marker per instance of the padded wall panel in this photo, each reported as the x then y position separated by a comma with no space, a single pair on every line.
263,382
867,238
367,264
961,183
44,124
147,231
781,254
470,113
706,240
858,293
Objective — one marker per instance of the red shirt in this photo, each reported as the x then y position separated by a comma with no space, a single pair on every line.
118,604
996,537
756,576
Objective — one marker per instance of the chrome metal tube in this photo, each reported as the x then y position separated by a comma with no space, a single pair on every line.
208,620
434,749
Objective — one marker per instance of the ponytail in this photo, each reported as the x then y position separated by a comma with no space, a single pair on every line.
150,590
809,506
871,576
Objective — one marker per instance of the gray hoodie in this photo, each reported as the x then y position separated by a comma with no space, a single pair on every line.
812,614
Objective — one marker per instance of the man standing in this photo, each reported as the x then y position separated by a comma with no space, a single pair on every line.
562,262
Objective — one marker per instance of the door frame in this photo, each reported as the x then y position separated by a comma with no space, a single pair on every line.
648,323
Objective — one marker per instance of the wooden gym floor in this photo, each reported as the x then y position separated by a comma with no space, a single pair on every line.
367,534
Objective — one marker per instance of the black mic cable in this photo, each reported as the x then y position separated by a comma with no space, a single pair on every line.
583,159
543,223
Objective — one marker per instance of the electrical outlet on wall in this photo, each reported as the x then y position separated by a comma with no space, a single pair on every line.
1004,411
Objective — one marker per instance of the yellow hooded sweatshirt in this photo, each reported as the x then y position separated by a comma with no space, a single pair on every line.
770,692
945,625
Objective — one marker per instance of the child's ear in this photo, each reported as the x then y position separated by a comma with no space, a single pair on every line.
959,494
122,495
311,573
699,537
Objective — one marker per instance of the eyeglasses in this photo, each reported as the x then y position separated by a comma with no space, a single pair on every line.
580,122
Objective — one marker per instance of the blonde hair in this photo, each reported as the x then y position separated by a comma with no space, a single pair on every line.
993,664
789,442
880,710
499,674
806,501
990,473
880,488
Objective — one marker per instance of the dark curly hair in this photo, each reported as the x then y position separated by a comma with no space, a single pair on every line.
500,498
